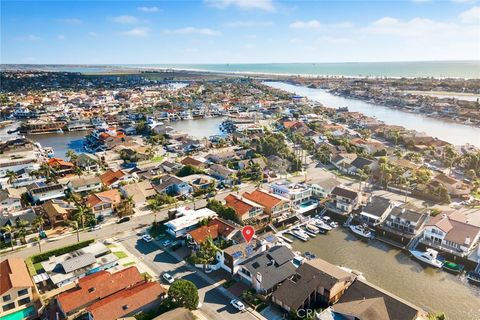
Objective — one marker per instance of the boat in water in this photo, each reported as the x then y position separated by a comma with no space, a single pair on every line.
309,255
362,231
330,222
322,225
429,257
311,228
300,234
453,267
474,277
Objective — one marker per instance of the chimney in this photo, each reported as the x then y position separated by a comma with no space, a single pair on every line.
467,240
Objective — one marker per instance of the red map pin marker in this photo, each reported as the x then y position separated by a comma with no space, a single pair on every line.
248,232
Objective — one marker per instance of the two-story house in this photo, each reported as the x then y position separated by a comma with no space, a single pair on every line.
405,220
84,184
104,203
344,199
298,193
16,290
40,192
173,185
10,199
245,209
273,205
376,210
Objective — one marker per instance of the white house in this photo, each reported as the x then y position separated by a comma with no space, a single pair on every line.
188,220
297,192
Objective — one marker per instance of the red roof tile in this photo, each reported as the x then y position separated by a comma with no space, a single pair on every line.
263,198
97,286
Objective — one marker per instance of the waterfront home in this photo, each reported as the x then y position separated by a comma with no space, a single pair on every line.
87,162
222,173
216,229
273,205
247,211
10,199
95,287
297,193
142,297
84,184
58,211
40,192
140,192
405,220
363,300
104,203
316,283
450,230
344,199
173,185
376,210
187,219
15,165
16,290
113,179
230,258
60,166
322,187
455,187
69,267
266,270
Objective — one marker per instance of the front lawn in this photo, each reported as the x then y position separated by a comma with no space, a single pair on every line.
120,254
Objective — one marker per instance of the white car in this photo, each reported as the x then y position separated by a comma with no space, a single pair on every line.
237,304
95,227
147,238
170,279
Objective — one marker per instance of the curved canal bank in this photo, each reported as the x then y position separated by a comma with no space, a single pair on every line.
454,133
393,270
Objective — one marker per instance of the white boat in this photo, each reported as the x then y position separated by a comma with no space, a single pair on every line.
329,221
429,257
361,231
322,225
311,228
300,235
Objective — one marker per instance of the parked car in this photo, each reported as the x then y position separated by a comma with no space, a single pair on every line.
95,227
170,279
124,219
147,238
237,304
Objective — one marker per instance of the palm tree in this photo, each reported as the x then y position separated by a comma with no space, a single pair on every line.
22,229
12,176
81,214
48,172
8,229
72,156
38,223
77,171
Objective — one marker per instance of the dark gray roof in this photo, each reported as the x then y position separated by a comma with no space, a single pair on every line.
346,193
408,214
167,181
78,262
377,206
361,162
397,308
274,265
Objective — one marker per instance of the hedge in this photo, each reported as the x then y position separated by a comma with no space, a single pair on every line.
57,252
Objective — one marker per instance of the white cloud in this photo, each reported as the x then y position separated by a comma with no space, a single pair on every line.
148,9
71,21
137,32
193,30
125,19
471,16
312,24
336,40
265,5
60,37
92,34
463,1
416,27
248,24
29,37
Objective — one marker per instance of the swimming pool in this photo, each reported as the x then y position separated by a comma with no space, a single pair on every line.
20,314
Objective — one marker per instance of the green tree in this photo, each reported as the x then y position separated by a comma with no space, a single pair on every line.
12,176
71,155
184,293
82,214
22,229
207,252
8,229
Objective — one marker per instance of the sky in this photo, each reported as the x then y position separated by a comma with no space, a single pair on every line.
237,31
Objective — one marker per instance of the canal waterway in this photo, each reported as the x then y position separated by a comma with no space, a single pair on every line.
457,134
393,270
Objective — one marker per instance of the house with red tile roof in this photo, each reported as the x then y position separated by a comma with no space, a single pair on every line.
61,166
245,209
273,204
104,203
113,178
216,229
16,288
451,230
95,287
141,297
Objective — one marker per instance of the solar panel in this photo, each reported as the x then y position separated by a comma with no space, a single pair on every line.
270,238
237,254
